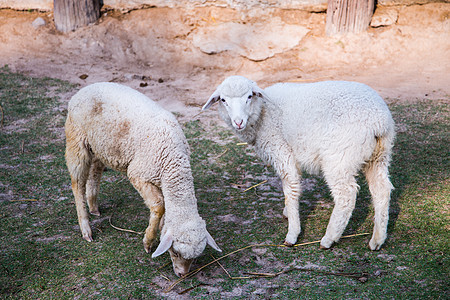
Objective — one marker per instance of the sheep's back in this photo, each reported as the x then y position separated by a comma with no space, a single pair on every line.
123,126
325,119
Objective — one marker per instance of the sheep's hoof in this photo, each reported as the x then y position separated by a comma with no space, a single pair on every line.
95,213
87,238
286,243
374,247
148,246
324,248
326,243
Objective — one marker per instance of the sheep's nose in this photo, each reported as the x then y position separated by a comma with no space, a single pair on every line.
181,273
239,124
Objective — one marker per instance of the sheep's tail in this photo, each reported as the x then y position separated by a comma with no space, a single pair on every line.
383,149
376,168
78,155
379,151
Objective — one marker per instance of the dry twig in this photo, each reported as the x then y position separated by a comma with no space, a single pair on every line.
241,144
226,272
197,115
355,275
164,276
121,229
29,200
191,288
237,185
163,266
229,276
253,186
269,275
222,154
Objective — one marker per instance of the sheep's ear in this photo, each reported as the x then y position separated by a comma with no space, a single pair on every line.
211,242
257,91
164,245
213,99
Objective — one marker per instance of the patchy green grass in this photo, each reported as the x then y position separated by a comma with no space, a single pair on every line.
42,254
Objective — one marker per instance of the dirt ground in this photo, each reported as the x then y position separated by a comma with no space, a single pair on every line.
153,51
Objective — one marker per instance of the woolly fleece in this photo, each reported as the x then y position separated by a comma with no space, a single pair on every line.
335,127
131,133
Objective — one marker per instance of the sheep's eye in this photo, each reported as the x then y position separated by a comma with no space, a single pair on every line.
249,97
223,100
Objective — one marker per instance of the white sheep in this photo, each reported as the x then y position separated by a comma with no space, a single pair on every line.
115,126
334,127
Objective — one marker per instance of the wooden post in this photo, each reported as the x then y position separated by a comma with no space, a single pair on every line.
348,16
71,14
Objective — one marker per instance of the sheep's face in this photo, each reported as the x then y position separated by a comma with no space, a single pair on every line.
180,265
184,243
237,109
240,103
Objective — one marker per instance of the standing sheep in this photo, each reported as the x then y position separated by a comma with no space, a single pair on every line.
115,126
335,127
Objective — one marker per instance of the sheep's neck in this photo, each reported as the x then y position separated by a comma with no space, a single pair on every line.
179,195
250,133
266,136
265,124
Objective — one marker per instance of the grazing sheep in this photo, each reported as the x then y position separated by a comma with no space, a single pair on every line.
115,126
335,127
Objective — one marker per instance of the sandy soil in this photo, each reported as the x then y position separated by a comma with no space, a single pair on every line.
153,50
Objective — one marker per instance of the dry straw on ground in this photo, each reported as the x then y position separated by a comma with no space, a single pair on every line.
216,260
122,229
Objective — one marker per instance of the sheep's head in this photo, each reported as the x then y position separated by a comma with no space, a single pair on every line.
240,101
184,241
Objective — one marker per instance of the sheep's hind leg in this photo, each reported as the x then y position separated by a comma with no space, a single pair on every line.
291,189
344,191
93,185
380,188
78,160
154,200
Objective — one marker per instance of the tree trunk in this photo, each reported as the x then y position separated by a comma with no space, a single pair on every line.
71,14
348,16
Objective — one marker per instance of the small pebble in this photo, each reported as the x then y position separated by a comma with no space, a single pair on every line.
38,22
362,279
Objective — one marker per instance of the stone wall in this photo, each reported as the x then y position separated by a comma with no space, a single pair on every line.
310,5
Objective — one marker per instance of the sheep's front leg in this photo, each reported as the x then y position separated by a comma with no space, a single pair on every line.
154,200
282,160
292,189
156,213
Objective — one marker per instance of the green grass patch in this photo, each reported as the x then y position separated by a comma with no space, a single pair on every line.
42,254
